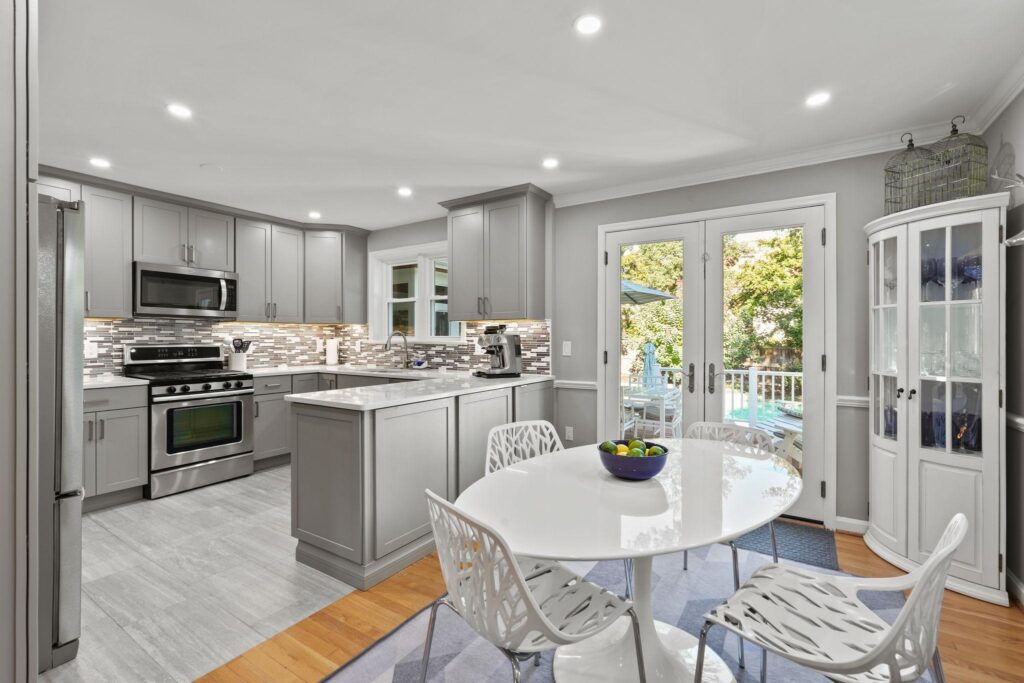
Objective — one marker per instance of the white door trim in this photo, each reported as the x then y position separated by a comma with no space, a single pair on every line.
828,201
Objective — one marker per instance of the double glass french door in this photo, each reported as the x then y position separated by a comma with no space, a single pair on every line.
720,320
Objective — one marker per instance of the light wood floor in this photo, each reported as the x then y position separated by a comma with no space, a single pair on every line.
979,642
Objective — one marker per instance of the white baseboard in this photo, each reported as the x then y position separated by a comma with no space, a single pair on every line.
1015,587
851,526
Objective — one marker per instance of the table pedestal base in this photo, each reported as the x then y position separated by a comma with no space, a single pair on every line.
670,654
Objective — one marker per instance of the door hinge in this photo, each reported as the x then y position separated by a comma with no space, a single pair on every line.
822,488
824,362
606,358
1000,398
1000,234
606,258
867,257
823,233
1000,563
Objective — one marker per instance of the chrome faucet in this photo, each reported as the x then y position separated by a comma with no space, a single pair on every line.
405,342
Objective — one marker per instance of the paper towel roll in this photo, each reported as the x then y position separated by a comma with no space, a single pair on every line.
332,352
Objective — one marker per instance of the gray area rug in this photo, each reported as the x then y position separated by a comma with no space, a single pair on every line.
680,597
812,545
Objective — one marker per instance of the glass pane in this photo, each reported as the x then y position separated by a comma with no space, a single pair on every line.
403,281
875,280
966,274
203,426
441,277
889,412
965,340
933,265
889,271
889,341
966,410
439,324
932,341
402,317
651,343
933,414
876,402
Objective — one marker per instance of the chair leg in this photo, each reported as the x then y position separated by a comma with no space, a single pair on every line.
627,566
686,559
430,639
775,545
736,585
638,645
764,665
940,675
516,674
536,659
698,671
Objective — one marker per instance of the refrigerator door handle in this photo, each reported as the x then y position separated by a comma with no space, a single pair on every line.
68,600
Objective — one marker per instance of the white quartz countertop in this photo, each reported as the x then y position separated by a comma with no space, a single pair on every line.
111,382
435,385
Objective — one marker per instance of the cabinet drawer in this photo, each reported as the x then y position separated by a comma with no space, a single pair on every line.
115,398
302,384
275,384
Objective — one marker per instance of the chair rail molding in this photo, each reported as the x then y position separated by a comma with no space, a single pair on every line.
579,385
850,401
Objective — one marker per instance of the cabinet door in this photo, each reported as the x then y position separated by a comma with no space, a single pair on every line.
414,446
252,265
505,259
122,447
270,426
327,382
161,232
466,263
89,454
955,420
108,253
286,271
478,413
211,240
324,276
353,307
303,384
535,402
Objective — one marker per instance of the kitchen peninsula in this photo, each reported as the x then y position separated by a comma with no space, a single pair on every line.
362,457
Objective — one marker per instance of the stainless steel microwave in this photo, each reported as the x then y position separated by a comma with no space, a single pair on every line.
163,291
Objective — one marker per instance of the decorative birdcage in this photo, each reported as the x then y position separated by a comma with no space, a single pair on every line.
964,159
913,177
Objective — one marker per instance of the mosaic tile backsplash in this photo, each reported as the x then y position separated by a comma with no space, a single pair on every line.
274,344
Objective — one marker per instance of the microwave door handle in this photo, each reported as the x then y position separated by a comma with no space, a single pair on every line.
223,294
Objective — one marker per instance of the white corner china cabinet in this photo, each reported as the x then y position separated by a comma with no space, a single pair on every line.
937,421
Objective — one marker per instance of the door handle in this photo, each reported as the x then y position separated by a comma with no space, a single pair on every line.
899,392
266,311
223,294
102,430
480,305
91,426
487,302
88,301
711,378
272,386
191,254
275,310
692,375
910,396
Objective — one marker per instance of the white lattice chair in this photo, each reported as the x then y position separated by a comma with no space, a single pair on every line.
743,436
817,621
520,615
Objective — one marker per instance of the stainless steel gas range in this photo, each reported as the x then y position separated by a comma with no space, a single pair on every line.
201,415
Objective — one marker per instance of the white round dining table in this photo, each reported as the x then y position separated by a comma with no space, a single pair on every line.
567,506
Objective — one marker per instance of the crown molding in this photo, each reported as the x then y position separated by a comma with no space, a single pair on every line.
1011,85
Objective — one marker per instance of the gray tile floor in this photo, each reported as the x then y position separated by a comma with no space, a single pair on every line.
173,588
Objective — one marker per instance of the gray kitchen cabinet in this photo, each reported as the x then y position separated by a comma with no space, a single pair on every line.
496,243
122,448
478,413
327,382
535,401
160,232
324,276
270,426
211,240
286,275
353,309
303,384
272,384
401,473
108,253
58,188
252,265
89,454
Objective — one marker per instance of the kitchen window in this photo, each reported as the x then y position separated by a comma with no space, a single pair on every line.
409,294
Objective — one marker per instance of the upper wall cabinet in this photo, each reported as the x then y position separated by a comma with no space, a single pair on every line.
64,190
269,264
286,269
325,257
353,309
108,253
496,244
180,236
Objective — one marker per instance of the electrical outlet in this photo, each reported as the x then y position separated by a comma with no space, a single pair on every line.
90,350
569,433
567,348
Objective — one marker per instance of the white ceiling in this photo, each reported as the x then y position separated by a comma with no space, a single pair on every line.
331,105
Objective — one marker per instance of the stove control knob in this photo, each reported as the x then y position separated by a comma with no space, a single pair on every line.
171,390
185,388
227,385
207,387
239,384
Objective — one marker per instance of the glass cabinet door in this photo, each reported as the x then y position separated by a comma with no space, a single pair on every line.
887,334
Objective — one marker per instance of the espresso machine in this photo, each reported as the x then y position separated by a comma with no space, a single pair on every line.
504,350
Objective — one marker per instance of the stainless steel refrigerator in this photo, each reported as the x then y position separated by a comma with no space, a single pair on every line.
61,308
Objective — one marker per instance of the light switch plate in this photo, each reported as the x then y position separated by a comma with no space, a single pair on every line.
569,433
319,345
567,348
91,350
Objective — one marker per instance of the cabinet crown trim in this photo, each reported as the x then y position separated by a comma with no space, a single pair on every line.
997,200
515,190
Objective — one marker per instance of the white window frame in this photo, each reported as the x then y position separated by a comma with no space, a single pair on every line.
379,265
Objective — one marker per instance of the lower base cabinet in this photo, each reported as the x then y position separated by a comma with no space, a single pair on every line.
270,426
478,414
535,402
115,450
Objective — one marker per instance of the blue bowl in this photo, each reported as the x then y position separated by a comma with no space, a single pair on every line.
635,469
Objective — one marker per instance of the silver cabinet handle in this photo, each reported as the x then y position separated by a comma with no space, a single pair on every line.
480,305
194,256
272,386
256,409
184,253
88,301
102,430
711,378
275,310
488,309
91,426
266,311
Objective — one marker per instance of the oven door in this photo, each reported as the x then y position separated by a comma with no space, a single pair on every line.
185,432
176,291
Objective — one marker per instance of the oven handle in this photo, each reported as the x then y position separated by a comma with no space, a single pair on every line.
201,397
223,294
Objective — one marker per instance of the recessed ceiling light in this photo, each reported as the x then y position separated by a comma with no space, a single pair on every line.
405,191
179,111
817,99
314,214
588,24
549,163
99,163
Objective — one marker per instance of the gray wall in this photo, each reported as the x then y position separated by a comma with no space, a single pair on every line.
858,184
433,230
1004,137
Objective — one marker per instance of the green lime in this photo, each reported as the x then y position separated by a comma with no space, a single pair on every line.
636,453
607,447
656,450
637,443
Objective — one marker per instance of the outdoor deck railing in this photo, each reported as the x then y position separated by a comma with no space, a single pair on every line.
746,389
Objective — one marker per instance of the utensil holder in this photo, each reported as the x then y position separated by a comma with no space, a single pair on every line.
238,361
